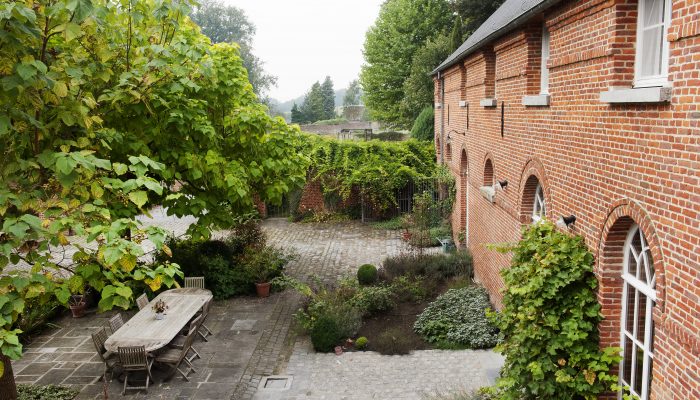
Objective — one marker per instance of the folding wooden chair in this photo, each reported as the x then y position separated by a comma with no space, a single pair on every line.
116,322
194,282
135,359
142,301
110,359
179,341
203,330
175,357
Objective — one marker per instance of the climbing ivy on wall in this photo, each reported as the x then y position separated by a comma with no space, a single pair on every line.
376,170
549,320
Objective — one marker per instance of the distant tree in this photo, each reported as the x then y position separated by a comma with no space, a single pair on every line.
328,96
224,23
312,107
456,37
418,88
403,27
297,115
352,95
424,127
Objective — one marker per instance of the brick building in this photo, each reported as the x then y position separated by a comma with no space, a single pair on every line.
590,109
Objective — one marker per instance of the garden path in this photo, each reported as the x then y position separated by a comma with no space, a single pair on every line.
252,338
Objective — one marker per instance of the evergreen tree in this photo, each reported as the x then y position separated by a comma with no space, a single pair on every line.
328,96
353,94
312,108
297,116
456,37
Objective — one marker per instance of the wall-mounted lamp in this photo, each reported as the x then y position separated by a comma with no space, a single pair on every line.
449,139
501,185
564,222
457,132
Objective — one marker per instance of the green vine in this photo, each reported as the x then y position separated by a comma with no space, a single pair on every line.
550,320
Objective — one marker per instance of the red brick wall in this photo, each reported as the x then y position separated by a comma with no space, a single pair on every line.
607,164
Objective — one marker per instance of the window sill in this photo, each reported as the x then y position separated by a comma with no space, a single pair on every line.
541,100
490,102
489,193
637,95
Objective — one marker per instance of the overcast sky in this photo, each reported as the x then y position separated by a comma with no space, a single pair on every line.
302,41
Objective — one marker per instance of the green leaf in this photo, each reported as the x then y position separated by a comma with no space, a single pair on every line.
71,30
26,71
119,168
5,124
139,198
60,89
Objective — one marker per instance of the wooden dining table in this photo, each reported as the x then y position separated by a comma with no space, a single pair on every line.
143,329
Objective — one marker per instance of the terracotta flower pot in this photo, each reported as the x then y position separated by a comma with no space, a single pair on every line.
338,350
78,310
263,289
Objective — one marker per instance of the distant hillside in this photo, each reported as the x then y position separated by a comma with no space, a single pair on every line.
286,107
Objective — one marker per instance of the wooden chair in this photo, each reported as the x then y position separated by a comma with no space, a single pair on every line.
135,359
179,341
194,282
110,359
116,322
142,301
203,331
175,357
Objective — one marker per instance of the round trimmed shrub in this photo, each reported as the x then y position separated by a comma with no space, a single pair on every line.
361,342
325,334
367,274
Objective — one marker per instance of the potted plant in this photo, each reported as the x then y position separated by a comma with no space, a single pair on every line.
77,303
159,307
263,265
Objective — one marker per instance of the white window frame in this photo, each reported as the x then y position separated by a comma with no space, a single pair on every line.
544,70
538,205
632,286
662,78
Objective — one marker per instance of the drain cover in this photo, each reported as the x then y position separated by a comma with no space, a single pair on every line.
276,382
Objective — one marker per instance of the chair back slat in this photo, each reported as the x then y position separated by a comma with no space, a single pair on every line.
188,343
98,339
142,301
205,309
116,322
133,357
194,282
194,324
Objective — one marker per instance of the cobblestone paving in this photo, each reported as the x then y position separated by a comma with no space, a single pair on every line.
253,338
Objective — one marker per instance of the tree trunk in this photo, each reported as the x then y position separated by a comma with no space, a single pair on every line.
8,388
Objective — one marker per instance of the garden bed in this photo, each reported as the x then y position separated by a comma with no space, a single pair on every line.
398,321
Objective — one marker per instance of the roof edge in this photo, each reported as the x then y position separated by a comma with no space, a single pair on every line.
497,33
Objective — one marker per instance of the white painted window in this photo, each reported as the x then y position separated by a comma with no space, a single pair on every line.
538,207
544,71
637,326
651,64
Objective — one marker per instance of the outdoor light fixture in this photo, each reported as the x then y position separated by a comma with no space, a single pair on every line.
564,222
502,184
449,139
457,132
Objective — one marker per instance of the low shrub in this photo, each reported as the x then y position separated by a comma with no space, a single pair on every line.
367,274
435,266
459,316
373,299
393,341
361,343
37,311
49,392
325,334
424,125
412,288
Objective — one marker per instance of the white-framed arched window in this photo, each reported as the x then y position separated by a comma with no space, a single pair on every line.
637,326
538,207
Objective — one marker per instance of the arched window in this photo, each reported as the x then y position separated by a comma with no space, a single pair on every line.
488,173
538,207
637,326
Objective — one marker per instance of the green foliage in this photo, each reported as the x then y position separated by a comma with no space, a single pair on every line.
328,95
475,12
393,341
456,36
433,266
550,318
353,95
361,342
223,23
401,29
37,311
375,169
367,274
266,263
393,224
318,105
107,107
49,392
458,316
325,334
419,87
373,299
485,393
332,121
424,126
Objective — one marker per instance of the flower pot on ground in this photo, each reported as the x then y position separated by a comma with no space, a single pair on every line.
263,289
264,264
78,303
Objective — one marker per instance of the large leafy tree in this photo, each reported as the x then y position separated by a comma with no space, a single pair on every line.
107,106
474,12
403,27
223,23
